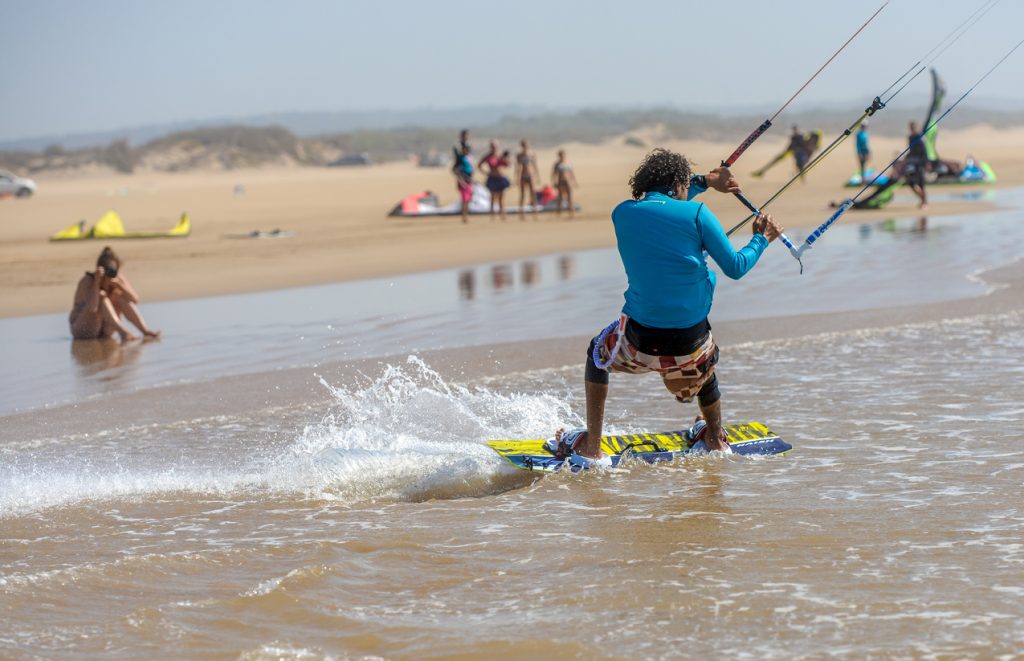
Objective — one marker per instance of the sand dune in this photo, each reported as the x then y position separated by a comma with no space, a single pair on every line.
342,232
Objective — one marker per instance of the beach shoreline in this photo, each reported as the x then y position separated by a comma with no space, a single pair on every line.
342,232
283,388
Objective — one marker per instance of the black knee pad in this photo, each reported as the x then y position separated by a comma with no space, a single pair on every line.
592,373
709,393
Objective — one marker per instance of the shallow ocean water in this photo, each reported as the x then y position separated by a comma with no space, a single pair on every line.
367,518
380,526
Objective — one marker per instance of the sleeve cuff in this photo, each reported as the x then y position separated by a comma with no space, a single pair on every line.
698,184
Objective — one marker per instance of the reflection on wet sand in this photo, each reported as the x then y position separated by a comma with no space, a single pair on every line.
566,264
467,285
96,356
503,276
531,273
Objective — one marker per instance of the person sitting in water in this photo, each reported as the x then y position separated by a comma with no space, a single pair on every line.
103,299
662,239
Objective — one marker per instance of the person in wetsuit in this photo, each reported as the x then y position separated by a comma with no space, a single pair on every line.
915,165
662,237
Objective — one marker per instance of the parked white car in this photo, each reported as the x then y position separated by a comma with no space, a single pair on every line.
14,185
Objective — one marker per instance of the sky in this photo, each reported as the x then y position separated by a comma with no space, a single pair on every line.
70,66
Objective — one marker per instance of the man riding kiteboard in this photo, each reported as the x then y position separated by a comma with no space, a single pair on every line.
662,237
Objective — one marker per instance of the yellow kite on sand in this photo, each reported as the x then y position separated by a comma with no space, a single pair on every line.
109,226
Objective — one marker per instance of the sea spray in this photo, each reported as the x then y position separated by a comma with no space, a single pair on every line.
410,435
406,434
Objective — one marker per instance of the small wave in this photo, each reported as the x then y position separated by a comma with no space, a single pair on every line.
411,435
407,434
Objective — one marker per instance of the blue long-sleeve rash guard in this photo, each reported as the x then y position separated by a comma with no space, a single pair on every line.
662,242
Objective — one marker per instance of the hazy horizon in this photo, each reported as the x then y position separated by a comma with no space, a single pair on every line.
75,68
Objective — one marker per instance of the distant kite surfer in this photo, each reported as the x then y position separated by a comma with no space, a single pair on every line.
662,237
801,147
914,166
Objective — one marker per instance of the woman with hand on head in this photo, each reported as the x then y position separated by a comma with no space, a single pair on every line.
103,299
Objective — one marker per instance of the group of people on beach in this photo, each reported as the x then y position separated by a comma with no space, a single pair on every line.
912,170
494,164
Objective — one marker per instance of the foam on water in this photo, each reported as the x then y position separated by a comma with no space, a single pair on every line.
411,435
407,434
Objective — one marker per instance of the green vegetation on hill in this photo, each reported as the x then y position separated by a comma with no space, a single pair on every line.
231,147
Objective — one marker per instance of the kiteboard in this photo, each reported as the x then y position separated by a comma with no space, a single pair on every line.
751,438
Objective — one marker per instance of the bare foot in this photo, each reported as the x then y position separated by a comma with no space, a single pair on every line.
721,445
128,337
581,445
151,335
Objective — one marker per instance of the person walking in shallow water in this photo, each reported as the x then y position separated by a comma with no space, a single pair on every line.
103,299
564,180
663,239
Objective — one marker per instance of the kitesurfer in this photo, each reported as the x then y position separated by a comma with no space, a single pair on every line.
914,167
662,237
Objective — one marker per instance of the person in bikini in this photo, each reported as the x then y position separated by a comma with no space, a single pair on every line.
526,170
662,237
492,165
564,180
103,299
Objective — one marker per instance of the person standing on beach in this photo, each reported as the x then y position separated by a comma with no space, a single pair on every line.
526,169
662,239
916,162
863,150
564,180
492,165
103,299
463,142
463,171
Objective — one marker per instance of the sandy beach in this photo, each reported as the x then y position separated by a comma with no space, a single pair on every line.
342,232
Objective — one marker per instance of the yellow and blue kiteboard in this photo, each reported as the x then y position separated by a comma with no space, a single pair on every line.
751,438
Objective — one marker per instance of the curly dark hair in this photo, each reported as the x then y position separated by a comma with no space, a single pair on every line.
661,170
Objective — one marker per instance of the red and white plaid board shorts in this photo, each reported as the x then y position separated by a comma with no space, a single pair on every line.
683,376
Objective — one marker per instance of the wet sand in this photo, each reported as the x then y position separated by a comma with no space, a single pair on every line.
342,232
